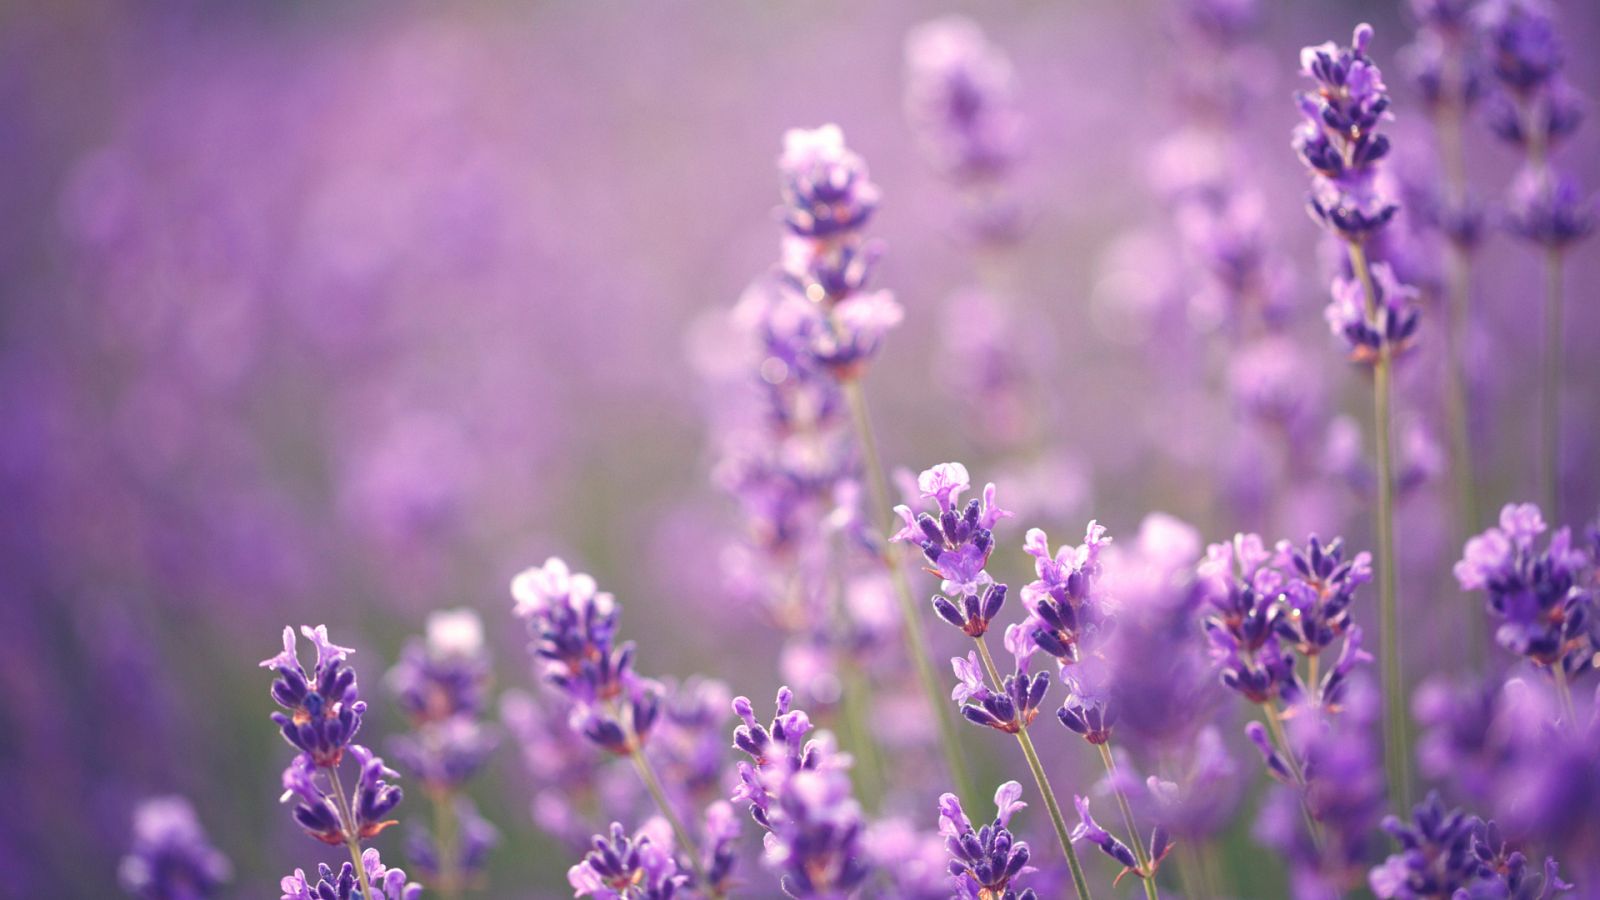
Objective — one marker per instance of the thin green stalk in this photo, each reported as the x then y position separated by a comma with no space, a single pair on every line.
1042,781
1550,396
1147,871
445,826
352,840
1396,751
1281,739
647,774
856,701
911,627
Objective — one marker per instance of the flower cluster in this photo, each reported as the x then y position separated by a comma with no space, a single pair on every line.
1536,110
1544,600
1012,707
960,99
1339,140
324,707
1447,853
1267,606
623,867
956,540
574,625
825,310
799,791
170,857
985,861
387,883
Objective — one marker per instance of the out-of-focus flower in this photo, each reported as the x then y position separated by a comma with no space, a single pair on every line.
170,857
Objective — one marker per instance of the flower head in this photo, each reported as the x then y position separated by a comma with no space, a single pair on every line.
624,867
960,99
1339,141
323,707
985,861
955,539
387,883
825,185
170,857
1388,328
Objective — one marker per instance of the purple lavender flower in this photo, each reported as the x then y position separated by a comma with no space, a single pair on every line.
1436,857
1542,599
387,883
961,99
324,707
1089,830
1389,329
623,867
1065,604
1339,141
798,790
826,189
1011,708
1318,590
445,675
1521,41
1504,871
575,626
1548,208
985,861
955,539
170,857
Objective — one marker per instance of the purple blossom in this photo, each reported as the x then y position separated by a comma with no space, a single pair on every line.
1389,329
961,99
1066,604
1011,708
1549,208
985,861
1542,600
955,539
1089,830
324,708
623,867
387,883
1521,42
170,857
574,625
446,674
826,189
1339,141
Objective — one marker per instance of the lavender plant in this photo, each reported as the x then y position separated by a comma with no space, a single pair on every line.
1340,144
171,858
323,713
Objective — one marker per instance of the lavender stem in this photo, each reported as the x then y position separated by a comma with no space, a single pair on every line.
351,839
916,645
647,774
1395,744
1043,782
445,826
1281,739
1147,870
1550,396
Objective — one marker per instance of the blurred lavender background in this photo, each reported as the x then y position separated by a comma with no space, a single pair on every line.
348,313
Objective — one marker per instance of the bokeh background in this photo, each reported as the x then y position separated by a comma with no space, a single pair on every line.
342,313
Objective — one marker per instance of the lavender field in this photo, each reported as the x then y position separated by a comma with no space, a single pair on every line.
1007,451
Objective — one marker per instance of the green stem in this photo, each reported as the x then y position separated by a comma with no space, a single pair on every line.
1550,396
647,774
445,827
1281,738
911,628
1079,883
1147,871
856,701
352,840
1395,742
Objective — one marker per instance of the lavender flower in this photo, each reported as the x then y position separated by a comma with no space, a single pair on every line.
1066,607
170,857
620,867
1339,141
575,624
1389,329
387,883
1504,872
985,861
324,708
955,539
826,189
1521,41
961,99
1542,599
445,675
798,790
1548,208
1109,844
1011,708
1437,857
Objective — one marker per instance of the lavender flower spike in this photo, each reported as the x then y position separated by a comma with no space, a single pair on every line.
985,861
387,883
956,539
1087,829
621,867
324,708
1339,141
171,858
